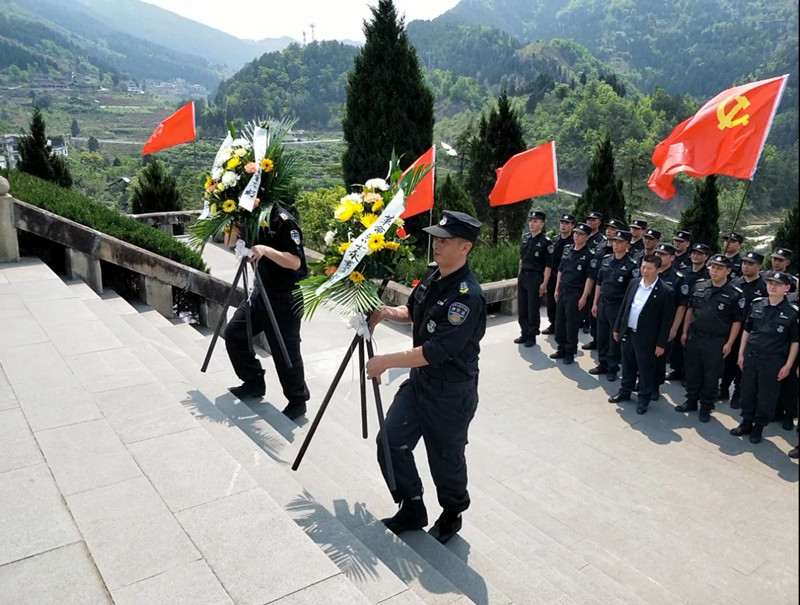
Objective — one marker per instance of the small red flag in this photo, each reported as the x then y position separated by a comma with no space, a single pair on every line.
725,137
527,174
421,199
176,129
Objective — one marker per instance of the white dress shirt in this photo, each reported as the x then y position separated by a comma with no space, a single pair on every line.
639,299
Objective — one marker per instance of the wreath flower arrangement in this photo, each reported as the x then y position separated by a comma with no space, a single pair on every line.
365,241
250,173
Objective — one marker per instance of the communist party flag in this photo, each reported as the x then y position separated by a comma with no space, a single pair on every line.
176,129
725,137
527,174
421,199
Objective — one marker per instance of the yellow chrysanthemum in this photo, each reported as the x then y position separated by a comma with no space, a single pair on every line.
213,209
376,242
267,165
393,246
228,206
209,182
377,205
356,277
369,219
264,224
399,222
233,162
343,213
343,247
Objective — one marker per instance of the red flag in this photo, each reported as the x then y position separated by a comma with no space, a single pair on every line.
725,137
527,174
421,199
176,129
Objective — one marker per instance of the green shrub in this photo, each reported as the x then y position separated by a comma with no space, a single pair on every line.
487,262
315,211
87,212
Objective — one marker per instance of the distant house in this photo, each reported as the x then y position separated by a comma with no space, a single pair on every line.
9,150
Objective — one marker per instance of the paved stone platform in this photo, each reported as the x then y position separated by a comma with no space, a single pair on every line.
126,476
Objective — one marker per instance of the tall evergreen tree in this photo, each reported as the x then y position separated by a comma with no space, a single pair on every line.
498,139
603,191
37,157
787,236
451,196
74,129
388,107
155,190
701,217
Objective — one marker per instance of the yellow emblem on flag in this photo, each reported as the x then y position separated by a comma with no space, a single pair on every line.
726,119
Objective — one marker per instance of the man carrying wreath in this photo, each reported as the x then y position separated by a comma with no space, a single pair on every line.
448,312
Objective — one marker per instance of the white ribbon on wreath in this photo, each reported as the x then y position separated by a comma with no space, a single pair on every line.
247,199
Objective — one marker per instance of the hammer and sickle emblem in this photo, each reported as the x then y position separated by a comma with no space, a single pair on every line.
729,119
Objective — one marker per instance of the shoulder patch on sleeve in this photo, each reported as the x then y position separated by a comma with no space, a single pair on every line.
593,263
296,238
457,313
741,303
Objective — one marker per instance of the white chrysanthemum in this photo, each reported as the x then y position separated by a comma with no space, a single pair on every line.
352,198
227,153
241,143
374,184
241,152
229,179
329,237
216,174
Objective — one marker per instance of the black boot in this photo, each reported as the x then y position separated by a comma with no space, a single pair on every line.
412,515
745,428
735,405
446,526
755,436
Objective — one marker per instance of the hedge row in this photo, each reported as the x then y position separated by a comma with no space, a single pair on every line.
87,212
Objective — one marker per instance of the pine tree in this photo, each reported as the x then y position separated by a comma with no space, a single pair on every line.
93,144
74,128
37,157
451,196
498,139
787,236
388,105
155,190
603,191
701,217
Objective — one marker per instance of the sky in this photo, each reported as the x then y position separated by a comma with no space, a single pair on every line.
332,19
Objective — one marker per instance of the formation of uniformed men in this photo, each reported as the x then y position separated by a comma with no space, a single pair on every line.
718,320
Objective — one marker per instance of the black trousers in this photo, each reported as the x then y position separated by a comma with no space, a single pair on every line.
788,398
245,363
704,364
760,387
638,357
676,358
528,302
732,373
551,297
608,350
661,363
587,319
439,412
568,321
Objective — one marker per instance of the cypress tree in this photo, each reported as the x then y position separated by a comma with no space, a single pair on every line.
37,157
701,216
155,190
603,191
786,236
74,128
388,105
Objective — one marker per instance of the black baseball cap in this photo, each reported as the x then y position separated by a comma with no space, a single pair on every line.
583,228
779,276
639,223
623,235
753,257
683,235
537,214
701,248
737,237
666,249
594,214
456,224
720,259
567,218
654,233
617,224
782,253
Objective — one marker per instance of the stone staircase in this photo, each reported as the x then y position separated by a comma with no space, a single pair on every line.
128,476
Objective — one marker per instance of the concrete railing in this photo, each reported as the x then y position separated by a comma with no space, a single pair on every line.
166,221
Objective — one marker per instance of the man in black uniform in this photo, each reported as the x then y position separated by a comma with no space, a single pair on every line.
534,273
682,242
673,278
613,274
710,327
597,245
565,226
637,241
733,243
787,402
652,238
574,282
752,286
448,312
281,263
769,348
641,328
781,259
612,227
697,270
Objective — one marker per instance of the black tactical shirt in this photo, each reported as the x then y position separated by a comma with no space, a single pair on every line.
534,252
449,316
750,290
771,329
576,267
714,309
613,275
284,235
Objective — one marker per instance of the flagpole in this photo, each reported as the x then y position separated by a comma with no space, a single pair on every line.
430,223
741,205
